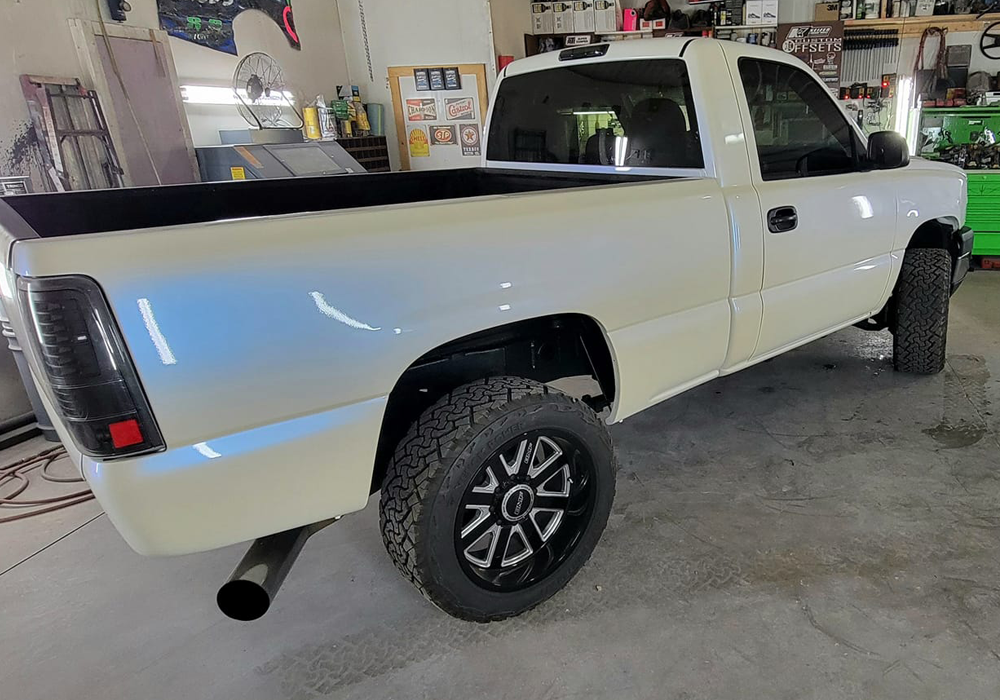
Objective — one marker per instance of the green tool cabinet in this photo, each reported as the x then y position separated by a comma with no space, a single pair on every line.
964,125
983,215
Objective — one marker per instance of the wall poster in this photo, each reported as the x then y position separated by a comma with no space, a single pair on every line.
820,44
209,23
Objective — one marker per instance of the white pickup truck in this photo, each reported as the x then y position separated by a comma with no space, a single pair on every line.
253,360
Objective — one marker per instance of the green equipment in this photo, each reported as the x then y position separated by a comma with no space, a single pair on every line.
969,137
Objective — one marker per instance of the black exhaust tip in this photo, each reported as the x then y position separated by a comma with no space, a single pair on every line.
251,589
243,600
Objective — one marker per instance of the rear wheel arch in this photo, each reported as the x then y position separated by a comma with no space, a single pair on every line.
544,349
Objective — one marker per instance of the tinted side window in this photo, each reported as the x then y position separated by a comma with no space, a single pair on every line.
624,113
799,130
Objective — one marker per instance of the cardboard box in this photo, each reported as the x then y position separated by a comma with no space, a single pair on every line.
583,16
827,12
770,11
542,18
649,25
755,11
562,18
607,16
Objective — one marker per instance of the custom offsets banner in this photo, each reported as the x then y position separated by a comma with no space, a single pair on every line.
820,44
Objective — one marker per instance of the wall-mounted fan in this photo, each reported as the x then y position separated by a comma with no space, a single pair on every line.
262,97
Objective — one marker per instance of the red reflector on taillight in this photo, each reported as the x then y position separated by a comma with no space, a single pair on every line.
125,433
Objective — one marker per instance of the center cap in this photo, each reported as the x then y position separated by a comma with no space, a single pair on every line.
517,503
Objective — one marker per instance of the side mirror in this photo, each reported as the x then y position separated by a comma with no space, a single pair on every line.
888,150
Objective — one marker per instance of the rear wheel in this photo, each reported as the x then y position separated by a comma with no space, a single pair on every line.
497,496
922,304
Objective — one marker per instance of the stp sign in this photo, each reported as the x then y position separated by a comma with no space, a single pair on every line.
444,136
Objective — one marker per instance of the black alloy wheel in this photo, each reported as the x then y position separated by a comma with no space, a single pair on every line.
525,511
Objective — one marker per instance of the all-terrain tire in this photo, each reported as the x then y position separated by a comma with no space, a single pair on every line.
922,303
439,459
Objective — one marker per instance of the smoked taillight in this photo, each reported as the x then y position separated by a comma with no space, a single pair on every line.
93,383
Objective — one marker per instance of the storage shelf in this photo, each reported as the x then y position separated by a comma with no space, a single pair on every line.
915,26
639,32
723,27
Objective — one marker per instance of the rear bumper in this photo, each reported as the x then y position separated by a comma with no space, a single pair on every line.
240,487
966,240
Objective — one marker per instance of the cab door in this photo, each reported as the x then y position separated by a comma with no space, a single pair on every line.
829,223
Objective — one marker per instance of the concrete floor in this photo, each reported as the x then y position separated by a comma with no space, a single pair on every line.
815,527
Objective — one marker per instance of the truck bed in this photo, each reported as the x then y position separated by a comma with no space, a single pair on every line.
74,213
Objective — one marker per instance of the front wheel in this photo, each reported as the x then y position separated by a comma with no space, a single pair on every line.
922,303
497,496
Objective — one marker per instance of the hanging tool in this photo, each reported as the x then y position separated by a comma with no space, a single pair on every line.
940,70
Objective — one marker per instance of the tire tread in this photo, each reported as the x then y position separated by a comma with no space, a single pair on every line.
923,298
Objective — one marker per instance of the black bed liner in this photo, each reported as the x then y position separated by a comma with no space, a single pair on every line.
73,213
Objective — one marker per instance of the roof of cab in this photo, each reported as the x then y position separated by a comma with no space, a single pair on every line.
633,49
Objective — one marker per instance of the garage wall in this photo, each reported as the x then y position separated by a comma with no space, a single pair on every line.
511,21
444,32
319,67
35,38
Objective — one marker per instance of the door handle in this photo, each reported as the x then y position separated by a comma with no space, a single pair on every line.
782,220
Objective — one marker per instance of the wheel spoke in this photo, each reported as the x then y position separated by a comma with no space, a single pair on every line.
546,521
550,502
539,467
512,467
489,484
500,547
479,499
557,483
517,549
482,550
482,515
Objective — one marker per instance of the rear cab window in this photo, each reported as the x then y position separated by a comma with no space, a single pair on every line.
617,114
